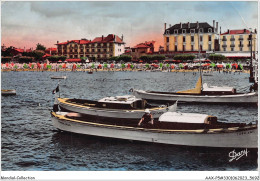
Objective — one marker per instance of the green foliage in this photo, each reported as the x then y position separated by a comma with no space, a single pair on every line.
184,57
40,47
57,58
123,66
217,57
158,57
25,66
32,66
25,59
37,54
7,52
114,58
125,58
93,65
5,59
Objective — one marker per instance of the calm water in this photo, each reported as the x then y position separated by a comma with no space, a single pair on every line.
30,142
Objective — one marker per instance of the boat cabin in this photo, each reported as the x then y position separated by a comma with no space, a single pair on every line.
213,90
122,102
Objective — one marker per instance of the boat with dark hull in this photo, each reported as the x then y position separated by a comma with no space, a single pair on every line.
121,107
59,77
9,92
172,128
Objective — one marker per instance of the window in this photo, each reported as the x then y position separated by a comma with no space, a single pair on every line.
192,38
93,50
200,47
167,39
175,38
184,38
167,32
209,37
224,49
201,38
175,31
241,49
209,47
98,50
232,49
176,48
192,47
192,31
87,50
183,31
201,30
183,48
240,43
210,30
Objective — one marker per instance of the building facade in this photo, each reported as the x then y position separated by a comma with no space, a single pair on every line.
190,37
238,41
142,49
100,47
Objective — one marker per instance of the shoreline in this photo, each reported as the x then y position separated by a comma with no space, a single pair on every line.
118,70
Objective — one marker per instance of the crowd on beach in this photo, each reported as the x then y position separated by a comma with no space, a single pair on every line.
97,66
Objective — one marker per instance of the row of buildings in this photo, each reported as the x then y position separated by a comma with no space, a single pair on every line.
204,38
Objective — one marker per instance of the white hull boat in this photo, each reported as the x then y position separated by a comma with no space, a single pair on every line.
162,96
122,107
200,94
229,137
8,92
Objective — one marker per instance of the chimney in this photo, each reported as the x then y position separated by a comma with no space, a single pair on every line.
197,24
244,30
228,31
170,25
57,42
164,26
24,48
180,25
188,24
102,37
122,37
255,30
114,36
217,27
213,25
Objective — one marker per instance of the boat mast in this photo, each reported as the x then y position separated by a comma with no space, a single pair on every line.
199,57
251,78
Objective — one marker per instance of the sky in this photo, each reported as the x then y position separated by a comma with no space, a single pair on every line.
24,24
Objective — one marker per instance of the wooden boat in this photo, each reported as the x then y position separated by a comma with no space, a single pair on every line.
200,94
59,77
172,128
123,107
90,72
8,92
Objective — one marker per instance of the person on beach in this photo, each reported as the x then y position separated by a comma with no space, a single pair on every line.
146,119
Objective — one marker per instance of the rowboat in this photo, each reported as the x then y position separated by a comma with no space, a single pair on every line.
8,92
58,77
200,94
122,107
187,129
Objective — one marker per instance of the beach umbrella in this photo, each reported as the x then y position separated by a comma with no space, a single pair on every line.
99,66
64,65
213,65
32,66
180,65
228,66
220,66
161,65
172,66
123,65
12,64
45,65
240,66
147,65
6,64
235,65
206,65
112,65
132,66
25,66
167,65
38,65
128,65
105,65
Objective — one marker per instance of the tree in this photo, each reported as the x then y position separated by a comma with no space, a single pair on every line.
125,58
37,54
184,57
217,57
40,47
114,58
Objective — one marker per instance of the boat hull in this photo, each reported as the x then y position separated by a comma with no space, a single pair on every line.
233,139
110,113
8,92
237,98
58,77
